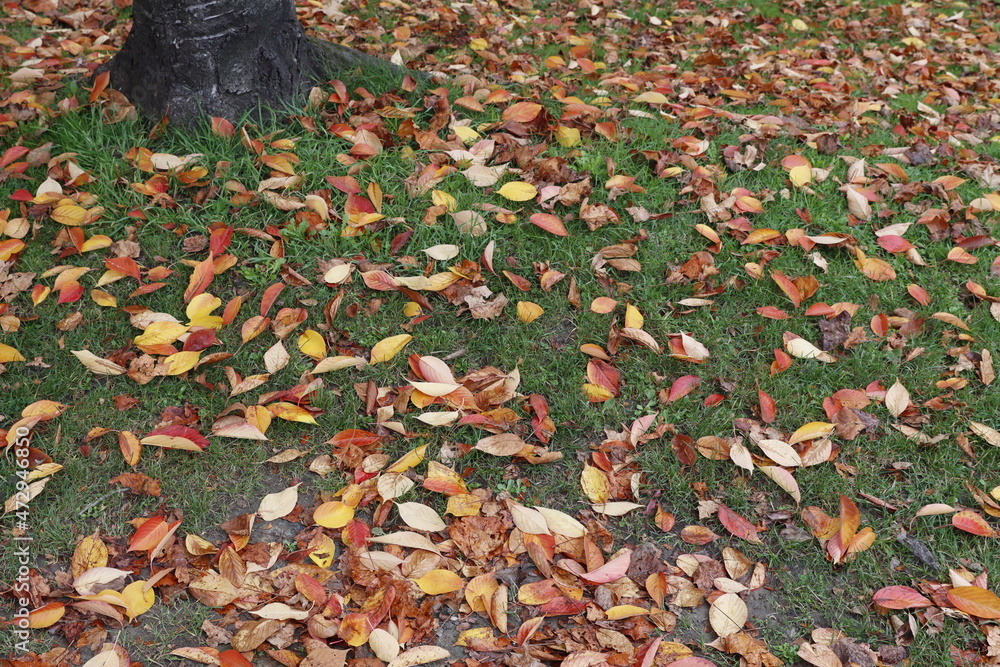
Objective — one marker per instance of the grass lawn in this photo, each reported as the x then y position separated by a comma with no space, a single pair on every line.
715,285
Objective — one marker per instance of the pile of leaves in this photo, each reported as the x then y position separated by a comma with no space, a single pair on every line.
375,574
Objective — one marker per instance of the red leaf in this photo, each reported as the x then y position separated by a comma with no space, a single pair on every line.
972,522
899,597
270,296
603,374
683,447
892,243
737,525
772,313
178,431
219,240
12,154
714,399
768,408
683,386
782,362
549,223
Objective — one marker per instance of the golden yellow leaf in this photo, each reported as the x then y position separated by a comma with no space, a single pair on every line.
811,431
567,136
633,318
595,484
438,582
311,344
518,191
159,333
7,353
182,362
102,298
388,348
333,514
442,198
624,611
800,175
138,599
46,616
528,311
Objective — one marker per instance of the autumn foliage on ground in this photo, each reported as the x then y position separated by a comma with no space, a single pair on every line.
729,269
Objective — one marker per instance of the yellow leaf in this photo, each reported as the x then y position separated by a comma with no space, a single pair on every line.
96,242
466,134
181,362
624,611
478,44
138,600
567,136
337,363
595,393
800,25
334,514
518,191
800,175
437,582
811,431
595,484
412,309
633,318
388,348
69,214
442,198
651,98
199,311
311,344
159,333
102,298
323,551
409,460
7,353
96,364
528,311
291,412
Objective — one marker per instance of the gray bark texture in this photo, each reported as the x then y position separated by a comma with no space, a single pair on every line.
187,59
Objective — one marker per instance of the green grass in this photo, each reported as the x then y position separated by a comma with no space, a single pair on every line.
803,589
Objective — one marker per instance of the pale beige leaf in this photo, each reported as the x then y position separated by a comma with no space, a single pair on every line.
276,358
728,614
803,349
858,204
529,520
420,655
337,363
561,523
393,485
407,539
98,365
383,645
442,252
618,508
420,517
897,399
502,444
784,479
780,452
280,611
276,505
438,418
985,432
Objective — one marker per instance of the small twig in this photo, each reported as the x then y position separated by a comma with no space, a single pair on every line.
104,497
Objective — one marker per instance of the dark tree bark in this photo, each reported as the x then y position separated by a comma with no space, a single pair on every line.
190,58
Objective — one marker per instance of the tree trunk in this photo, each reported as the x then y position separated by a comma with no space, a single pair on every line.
190,58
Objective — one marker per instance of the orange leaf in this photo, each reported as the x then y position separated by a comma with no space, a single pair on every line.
850,519
201,278
788,287
975,601
768,407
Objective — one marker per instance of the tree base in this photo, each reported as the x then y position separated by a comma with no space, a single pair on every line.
189,59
